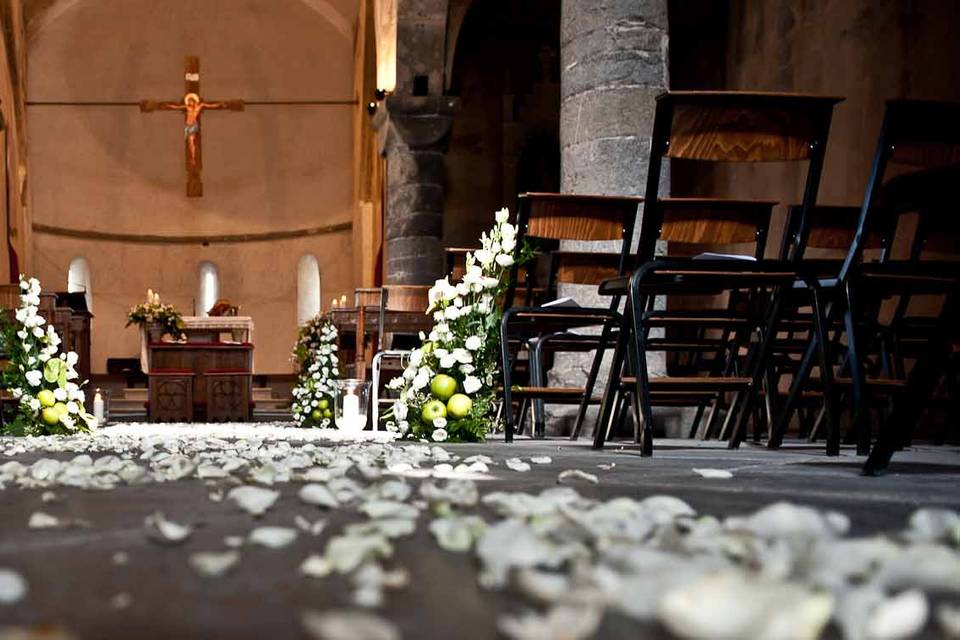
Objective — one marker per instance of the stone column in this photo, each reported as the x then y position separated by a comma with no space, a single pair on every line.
613,63
414,136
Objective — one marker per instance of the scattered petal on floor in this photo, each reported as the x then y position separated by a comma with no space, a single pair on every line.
319,495
120,558
316,566
735,605
164,531
457,533
714,474
901,616
541,459
121,601
563,622
41,520
272,537
47,497
575,475
253,500
389,509
213,564
517,464
313,528
934,525
348,625
13,587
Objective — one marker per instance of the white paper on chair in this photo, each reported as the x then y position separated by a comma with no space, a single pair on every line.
561,302
709,255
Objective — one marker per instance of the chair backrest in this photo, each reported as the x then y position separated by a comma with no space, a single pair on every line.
832,227
564,216
704,222
920,140
731,126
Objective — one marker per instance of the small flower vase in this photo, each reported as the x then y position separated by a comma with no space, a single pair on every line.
154,332
350,405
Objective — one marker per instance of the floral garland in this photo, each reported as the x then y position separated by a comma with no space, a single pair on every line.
44,383
319,368
448,389
165,315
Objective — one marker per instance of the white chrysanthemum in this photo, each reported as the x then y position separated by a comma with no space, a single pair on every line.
439,435
34,378
60,394
473,343
439,423
472,384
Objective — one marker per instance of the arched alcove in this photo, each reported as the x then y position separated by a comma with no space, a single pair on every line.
208,287
308,288
79,280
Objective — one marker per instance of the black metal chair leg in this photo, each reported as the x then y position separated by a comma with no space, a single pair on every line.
591,380
611,394
826,377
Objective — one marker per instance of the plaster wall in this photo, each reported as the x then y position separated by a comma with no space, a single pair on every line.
269,168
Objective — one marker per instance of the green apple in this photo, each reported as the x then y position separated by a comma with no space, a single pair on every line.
323,404
432,410
317,415
46,398
50,415
328,414
459,405
443,386
60,408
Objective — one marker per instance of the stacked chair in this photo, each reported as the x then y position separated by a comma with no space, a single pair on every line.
564,217
916,166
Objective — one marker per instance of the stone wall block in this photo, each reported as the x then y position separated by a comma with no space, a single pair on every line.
414,260
607,114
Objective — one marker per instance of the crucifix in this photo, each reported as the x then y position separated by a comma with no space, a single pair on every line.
192,106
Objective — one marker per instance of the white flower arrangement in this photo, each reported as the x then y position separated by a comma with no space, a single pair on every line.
319,368
44,381
448,389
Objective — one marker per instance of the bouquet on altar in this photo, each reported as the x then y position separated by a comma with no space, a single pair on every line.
153,312
318,370
43,381
448,388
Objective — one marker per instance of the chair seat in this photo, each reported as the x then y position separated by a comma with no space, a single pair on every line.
692,383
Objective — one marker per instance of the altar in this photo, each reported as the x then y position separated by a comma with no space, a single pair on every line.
207,376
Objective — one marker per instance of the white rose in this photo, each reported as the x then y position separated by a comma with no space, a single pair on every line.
471,384
67,421
504,259
34,404
462,355
60,394
72,407
439,435
467,368
420,381
34,378
38,332
399,410
473,343
451,313
447,361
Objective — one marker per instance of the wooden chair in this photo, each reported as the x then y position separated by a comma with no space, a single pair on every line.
553,216
711,127
171,395
228,395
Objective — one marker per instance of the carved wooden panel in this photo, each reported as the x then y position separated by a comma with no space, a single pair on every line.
228,397
171,397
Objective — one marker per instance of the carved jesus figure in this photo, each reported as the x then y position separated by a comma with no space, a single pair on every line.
192,106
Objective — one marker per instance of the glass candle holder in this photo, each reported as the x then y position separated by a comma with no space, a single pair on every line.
350,405
100,406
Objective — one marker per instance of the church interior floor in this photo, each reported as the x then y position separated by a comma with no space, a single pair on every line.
96,571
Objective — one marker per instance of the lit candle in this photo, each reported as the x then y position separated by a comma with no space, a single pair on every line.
350,417
149,295
343,300
333,303
98,406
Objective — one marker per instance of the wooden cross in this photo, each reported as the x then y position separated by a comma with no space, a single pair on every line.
193,106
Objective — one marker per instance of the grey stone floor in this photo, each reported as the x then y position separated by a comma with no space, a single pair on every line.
72,578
